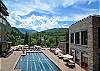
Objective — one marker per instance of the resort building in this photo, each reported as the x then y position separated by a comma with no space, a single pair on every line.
84,43
4,26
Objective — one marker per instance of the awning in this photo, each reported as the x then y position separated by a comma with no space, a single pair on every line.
67,56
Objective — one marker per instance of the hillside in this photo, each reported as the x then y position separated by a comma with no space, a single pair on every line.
51,37
56,31
16,31
23,30
15,36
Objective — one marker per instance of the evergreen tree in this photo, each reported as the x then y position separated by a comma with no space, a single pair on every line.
26,39
56,41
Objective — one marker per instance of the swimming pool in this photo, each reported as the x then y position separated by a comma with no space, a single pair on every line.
36,61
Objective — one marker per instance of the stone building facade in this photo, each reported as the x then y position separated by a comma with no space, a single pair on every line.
4,26
84,42
64,46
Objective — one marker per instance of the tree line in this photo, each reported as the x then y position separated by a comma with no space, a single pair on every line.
48,38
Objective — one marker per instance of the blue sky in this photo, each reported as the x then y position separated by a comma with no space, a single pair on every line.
47,14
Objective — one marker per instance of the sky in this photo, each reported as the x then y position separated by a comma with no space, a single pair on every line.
41,15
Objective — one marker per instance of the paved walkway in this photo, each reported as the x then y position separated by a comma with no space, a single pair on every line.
60,63
0,64
8,64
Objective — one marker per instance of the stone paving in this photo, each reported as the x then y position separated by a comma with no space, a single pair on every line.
8,64
60,63
0,64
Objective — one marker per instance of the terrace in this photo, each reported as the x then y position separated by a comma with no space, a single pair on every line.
9,63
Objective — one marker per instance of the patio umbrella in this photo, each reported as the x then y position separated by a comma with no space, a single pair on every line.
67,56
58,50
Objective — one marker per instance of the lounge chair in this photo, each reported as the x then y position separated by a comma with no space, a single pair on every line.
71,64
60,55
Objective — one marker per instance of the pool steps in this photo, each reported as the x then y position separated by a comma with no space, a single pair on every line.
24,53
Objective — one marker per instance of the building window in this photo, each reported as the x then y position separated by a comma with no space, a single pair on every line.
0,38
84,37
72,38
77,57
0,28
99,37
77,40
84,62
99,62
0,20
4,22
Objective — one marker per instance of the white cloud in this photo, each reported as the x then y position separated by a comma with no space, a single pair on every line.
67,3
41,5
42,22
36,22
78,17
21,8
13,19
65,25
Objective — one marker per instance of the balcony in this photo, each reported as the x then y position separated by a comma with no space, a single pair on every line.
3,9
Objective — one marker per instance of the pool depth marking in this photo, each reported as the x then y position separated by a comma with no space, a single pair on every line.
27,63
34,63
51,68
41,62
31,63
38,61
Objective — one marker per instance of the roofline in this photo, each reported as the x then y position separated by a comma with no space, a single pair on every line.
85,18
3,4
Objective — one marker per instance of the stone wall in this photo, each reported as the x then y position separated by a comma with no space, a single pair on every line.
96,48
90,24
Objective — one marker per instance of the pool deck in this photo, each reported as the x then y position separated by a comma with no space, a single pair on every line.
8,64
60,63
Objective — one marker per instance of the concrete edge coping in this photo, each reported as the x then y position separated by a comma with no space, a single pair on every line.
52,60
16,63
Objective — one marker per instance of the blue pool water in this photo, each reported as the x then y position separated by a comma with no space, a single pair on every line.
36,61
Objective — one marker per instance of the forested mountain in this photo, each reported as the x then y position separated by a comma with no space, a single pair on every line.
46,38
23,30
56,31
50,37
17,31
15,36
